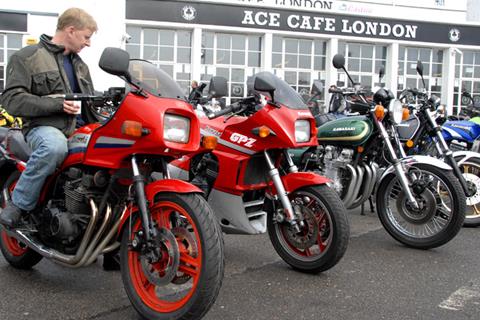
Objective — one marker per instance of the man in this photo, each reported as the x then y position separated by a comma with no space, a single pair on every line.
196,94
35,74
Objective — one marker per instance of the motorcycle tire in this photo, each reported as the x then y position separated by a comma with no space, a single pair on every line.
191,268
324,235
443,208
15,253
471,172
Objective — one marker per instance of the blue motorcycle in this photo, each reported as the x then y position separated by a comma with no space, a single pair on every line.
462,132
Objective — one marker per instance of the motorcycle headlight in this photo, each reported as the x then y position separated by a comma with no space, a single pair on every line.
302,131
176,128
395,108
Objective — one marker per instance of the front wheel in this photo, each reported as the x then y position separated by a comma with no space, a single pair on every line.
324,230
184,278
471,173
441,210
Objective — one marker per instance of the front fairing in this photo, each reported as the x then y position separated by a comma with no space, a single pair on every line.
280,120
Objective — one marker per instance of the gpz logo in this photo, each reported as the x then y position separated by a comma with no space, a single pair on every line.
241,139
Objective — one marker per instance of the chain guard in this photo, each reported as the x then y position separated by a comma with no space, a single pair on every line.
308,234
167,243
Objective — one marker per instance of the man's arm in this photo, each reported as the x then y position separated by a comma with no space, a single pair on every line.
18,100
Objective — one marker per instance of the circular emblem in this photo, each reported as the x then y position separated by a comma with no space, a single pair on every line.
454,35
237,91
189,13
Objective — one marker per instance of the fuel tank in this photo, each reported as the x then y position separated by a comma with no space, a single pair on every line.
351,131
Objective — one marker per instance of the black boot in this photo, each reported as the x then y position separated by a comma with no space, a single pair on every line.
11,215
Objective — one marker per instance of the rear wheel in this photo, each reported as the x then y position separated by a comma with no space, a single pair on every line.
471,173
16,253
441,211
324,231
185,279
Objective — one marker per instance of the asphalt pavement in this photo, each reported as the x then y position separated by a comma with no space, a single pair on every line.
378,278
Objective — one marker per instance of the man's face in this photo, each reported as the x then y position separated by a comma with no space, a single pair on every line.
77,39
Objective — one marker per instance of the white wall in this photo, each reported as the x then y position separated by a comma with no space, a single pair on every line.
109,15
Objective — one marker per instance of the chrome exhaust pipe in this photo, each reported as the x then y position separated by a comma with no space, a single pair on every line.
96,238
351,186
367,181
102,247
68,260
358,184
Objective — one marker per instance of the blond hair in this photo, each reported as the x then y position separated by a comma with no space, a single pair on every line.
77,18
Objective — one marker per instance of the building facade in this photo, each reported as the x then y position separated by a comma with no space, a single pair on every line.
296,39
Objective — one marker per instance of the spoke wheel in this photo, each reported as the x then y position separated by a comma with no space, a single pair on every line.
441,209
471,173
323,226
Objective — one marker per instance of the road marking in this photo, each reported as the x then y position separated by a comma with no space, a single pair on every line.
462,297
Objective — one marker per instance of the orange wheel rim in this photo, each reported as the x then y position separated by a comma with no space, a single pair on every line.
190,264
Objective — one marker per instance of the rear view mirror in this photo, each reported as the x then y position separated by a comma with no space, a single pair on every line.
338,61
115,61
317,88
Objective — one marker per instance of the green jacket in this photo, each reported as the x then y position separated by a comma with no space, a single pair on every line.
35,74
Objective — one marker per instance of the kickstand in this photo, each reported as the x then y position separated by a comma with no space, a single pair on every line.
372,209
362,213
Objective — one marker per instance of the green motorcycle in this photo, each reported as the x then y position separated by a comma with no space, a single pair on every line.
418,199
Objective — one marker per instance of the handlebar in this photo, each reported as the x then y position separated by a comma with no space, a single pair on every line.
235,107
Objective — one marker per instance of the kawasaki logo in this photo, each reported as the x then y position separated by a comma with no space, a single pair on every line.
344,129
460,127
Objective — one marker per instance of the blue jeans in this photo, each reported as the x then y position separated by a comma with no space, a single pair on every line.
50,148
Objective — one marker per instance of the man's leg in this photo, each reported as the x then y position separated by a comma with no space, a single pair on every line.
49,147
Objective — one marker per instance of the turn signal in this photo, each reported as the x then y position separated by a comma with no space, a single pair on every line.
209,142
132,128
263,131
406,114
409,143
379,112
360,149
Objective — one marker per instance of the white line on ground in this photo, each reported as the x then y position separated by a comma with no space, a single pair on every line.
462,296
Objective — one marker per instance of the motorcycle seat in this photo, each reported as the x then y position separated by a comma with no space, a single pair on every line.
17,145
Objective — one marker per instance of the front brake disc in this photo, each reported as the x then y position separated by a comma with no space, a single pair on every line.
162,272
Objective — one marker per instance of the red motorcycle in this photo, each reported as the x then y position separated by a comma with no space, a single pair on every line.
250,180
103,197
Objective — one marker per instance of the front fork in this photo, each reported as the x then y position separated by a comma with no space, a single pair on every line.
281,192
445,151
149,232
397,164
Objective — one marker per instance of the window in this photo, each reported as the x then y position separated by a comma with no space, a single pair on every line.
467,76
170,50
432,60
299,62
232,56
9,43
363,63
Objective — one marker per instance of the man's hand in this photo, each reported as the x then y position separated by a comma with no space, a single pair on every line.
71,107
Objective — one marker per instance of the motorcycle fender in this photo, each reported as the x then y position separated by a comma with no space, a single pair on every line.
465,155
158,186
296,180
169,185
411,160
